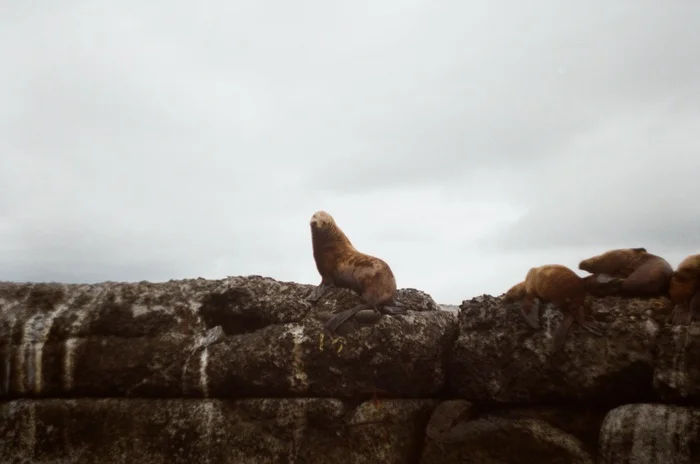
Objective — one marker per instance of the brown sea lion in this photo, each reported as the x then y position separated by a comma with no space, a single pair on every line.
638,272
559,285
341,265
601,285
684,290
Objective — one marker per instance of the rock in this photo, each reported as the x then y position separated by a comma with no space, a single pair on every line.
408,298
363,318
650,434
101,339
456,433
247,304
497,357
402,356
41,312
100,366
444,418
677,373
580,421
211,431
241,336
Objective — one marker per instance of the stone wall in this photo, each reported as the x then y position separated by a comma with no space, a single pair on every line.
240,371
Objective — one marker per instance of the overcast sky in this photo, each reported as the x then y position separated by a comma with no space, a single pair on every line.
462,142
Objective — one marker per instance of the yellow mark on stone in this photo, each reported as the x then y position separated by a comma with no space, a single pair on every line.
320,342
336,340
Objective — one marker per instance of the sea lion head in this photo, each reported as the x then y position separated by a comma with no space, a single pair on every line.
324,230
516,292
613,259
321,220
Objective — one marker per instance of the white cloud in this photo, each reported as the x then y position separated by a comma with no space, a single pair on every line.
461,142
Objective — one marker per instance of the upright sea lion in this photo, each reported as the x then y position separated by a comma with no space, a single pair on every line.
341,265
684,290
639,272
559,285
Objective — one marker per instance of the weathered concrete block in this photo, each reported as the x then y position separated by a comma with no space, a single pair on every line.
211,431
677,373
650,434
458,433
497,357
402,356
143,339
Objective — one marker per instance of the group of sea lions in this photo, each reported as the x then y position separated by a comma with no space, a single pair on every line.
626,272
630,272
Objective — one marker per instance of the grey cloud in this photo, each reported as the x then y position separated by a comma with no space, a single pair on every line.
172,139
633,182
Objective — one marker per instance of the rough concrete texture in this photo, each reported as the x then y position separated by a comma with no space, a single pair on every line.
176,366
497,357
143,339
457,433
677,374
211,431
650,434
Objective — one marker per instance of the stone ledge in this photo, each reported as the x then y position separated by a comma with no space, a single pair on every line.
144,431
147,340
650,433
322,430
150,340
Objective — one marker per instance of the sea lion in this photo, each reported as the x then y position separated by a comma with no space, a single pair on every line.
530,312
341,265
684,290
601,285
559,285
636,271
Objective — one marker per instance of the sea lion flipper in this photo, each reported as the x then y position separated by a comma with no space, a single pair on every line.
392,310
560,333
530,311
695,305
318,292
591,327
682,314
339,319
649,278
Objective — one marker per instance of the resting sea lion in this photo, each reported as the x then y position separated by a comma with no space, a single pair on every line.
341,265
559,285
684,290
638,272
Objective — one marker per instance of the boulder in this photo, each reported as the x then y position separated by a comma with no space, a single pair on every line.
118,430
458,433
677,370
499,358
650,434
241,336
403,356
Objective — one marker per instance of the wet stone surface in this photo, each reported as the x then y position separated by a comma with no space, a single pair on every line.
215,431
240,336
498,358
